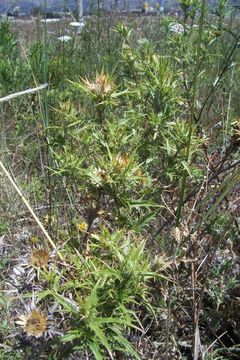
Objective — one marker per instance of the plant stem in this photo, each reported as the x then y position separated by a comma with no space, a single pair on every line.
192,115
24,200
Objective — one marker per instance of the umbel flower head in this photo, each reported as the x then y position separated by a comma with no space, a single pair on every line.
34,323
64,38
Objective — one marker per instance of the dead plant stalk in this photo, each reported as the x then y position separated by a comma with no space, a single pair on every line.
10,179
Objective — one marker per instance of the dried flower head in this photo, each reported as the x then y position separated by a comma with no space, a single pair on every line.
121,162
40,257
156,58
34,323
65,106
143,178
237,127
102,86
162,262
217,33
49,220
101,173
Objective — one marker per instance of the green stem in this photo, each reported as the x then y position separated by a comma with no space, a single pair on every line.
192,115
98,21
45,68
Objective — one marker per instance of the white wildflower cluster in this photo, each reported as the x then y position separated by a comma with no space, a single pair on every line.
78,26
50,21
177,28
64,38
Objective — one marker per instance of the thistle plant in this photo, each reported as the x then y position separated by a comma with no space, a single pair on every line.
133,181
93,296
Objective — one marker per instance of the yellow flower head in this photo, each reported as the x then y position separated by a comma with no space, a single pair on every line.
34,240
82,226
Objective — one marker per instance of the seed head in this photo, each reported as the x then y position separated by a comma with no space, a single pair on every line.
40,257
33,324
